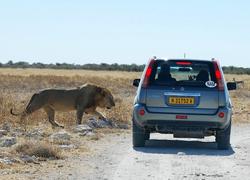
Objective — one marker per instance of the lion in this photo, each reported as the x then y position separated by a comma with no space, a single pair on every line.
83,99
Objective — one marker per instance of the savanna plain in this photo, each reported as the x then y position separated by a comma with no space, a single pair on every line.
33,150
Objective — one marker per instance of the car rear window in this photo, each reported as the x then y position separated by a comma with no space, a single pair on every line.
182,73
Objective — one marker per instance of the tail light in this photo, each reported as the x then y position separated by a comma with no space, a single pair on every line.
218,76
148,73
184,63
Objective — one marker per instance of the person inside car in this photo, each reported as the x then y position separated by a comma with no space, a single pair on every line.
164,76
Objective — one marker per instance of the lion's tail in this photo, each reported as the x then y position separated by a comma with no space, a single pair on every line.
15,114
26,109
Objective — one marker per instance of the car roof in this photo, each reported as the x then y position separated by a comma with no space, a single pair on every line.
197,60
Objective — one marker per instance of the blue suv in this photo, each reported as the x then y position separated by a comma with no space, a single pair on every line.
184,97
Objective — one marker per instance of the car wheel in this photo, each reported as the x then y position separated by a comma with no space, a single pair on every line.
147,135
223,138
138,136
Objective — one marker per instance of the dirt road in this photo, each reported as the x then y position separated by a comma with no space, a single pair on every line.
115,159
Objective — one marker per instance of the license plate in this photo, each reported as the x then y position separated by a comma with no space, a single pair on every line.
181,100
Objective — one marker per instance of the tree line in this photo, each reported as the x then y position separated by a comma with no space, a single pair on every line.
90,66
103,66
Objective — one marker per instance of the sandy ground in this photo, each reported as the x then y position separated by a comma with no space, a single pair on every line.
113,158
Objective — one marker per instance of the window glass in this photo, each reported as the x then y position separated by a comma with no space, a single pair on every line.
183,73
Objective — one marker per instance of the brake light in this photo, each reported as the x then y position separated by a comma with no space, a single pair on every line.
148,73
181,117
185,63
218,76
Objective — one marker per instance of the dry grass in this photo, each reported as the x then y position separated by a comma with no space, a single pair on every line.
241,99
39,149
18,85
68,73
95,137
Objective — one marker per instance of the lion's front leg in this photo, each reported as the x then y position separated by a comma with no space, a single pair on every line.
79,114
97,114
92,111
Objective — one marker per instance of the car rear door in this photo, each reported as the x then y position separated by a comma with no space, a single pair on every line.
184,92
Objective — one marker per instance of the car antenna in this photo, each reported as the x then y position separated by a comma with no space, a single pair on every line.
184,55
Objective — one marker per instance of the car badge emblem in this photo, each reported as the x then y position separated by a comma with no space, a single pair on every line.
182,89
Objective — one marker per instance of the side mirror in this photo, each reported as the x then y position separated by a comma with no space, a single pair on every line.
136,82
231,86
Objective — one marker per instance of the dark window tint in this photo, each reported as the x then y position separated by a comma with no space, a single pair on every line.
182,73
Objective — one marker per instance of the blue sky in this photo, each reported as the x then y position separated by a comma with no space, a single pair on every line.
110,31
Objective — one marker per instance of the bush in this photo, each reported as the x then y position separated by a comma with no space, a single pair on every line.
38,149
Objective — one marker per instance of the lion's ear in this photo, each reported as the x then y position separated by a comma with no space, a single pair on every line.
100,91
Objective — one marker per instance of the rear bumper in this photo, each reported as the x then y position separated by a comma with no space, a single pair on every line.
169,121
186,124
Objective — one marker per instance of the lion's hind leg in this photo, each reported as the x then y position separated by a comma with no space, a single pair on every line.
30,108
51,116
23,120
35,103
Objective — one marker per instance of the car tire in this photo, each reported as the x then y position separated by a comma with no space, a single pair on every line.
223,138
147,135
138,136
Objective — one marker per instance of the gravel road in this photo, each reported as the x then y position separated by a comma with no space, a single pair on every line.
163,158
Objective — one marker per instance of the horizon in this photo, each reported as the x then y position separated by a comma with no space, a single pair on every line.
80,32
74,64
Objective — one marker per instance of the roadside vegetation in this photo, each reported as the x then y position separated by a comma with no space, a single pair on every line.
38,149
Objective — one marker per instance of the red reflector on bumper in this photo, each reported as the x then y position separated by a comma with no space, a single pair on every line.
221,114
142,112
181,117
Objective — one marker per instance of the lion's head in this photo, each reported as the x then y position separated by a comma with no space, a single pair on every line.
105,98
